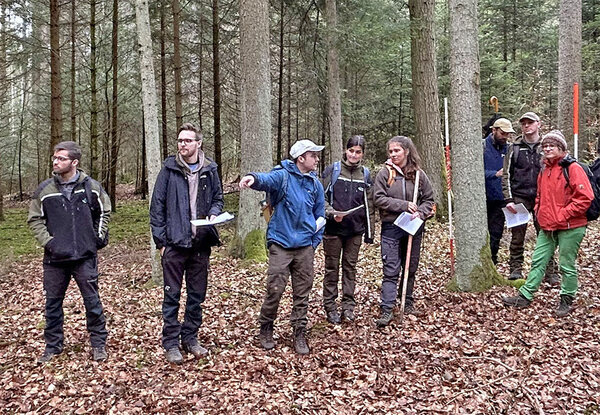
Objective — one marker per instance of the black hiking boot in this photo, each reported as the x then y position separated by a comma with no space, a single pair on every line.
334,317
409,308
348,315
300,344
565,306
518,301
47,356
515,275
99,354
265,336
553,279
385,318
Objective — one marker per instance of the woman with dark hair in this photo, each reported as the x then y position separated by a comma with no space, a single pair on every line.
347,186
393,194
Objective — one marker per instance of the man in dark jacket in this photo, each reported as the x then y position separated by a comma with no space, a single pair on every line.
69,216
494,149
187,188
519,185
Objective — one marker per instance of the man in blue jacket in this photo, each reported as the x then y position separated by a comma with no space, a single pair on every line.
292,236
187,188
494,150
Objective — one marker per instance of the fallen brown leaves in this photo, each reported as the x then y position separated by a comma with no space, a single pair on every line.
467,355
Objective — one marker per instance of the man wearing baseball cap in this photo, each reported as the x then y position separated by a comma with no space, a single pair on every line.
298,200
519,185
494,150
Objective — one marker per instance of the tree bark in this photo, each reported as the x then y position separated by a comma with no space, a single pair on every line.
216,86
94,168
152,145
163,81
425,92
114,144
73,103
280,81
474,268
255,117
3,88
569,67
333,82
55,82
177,64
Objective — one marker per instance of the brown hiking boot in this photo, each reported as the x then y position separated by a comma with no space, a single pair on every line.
300,341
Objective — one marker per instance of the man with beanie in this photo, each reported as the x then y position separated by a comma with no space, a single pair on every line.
293,235
187,188
494,149
519,185
69,216
564,194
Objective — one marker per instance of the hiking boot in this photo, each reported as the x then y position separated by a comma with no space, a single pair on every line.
173,355
99,354
516,275
564,308
195,349
518,301
410,309
266,336
348,315
300,341
48,355
334,317
385,318
552,279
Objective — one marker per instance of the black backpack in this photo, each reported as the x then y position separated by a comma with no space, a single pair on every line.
593,174
95,208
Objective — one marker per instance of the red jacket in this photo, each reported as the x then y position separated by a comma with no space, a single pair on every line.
560,205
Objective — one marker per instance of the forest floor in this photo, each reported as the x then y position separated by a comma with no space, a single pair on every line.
467,355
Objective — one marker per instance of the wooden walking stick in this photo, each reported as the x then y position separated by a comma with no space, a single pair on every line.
408,251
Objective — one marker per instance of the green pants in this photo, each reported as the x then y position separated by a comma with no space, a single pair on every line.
568,242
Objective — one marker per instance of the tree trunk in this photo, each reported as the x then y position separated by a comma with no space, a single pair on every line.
3,88
333,83
152,145
425,92
255,122
55,84
94,168
177,64
217,86
163,81
280,81
474,268
569,67
200,67
73,105
114,144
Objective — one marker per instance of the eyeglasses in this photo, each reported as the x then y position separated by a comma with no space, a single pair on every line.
185,141
60,158
548,146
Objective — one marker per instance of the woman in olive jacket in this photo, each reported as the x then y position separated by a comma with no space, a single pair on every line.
393,194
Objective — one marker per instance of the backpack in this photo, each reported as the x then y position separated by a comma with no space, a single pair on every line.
271,200
335,174
94,209
593,174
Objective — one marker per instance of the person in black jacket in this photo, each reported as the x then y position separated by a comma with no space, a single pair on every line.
347,186
187,188
69,216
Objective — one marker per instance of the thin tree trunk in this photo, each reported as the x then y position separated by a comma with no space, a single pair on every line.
55,83
289,95
177,64
217,86
114,145
94,168
21,129
3,88
200,68
475,270
425,92
163,81
333,82
73,105
152,144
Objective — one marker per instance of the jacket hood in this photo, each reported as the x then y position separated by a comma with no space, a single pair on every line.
173,163
389,163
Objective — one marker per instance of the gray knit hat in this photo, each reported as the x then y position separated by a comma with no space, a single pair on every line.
555,136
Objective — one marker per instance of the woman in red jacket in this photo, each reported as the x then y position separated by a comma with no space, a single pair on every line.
560,208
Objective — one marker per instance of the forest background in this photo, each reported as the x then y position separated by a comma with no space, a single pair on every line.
323,70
